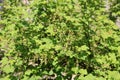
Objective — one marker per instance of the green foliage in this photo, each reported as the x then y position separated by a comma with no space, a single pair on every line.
114,9
58,39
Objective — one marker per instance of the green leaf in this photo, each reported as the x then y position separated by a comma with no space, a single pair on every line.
19,62
83,71
75,70
35,77
118,50
8,69
50,29
55,61
51,72
90,77
58,47
5,78
28,72
113,75
69,53
4,60
83,48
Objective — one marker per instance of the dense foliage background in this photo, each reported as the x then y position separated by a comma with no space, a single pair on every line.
60,40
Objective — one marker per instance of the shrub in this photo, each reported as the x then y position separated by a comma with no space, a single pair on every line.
58,40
